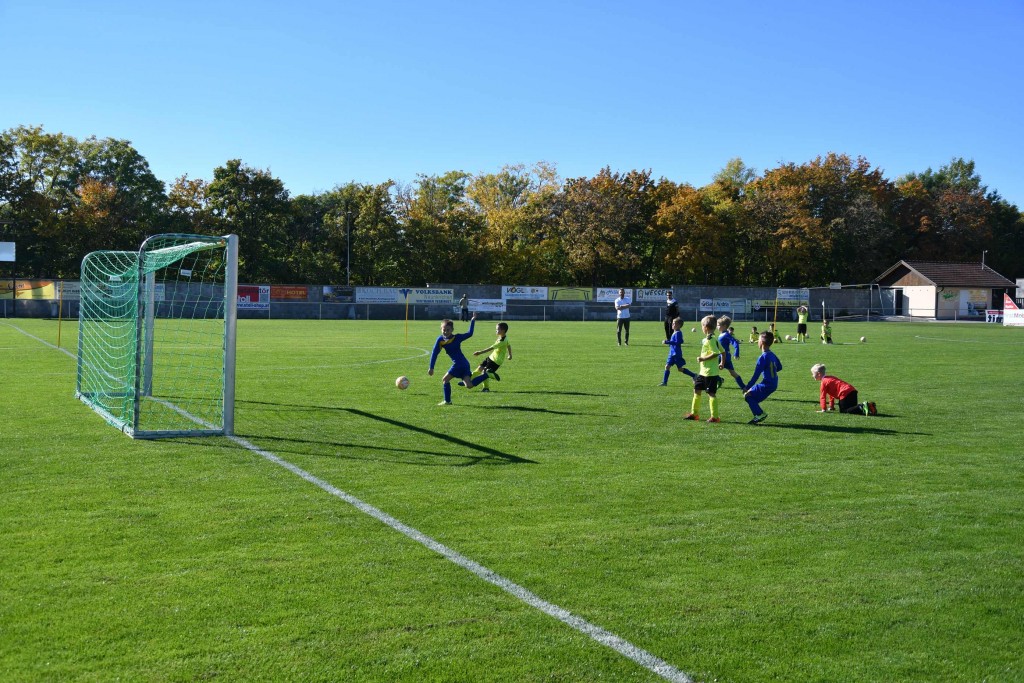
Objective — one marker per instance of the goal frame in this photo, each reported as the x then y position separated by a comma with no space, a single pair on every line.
137,384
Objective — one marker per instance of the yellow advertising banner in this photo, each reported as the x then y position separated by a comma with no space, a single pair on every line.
29,289
570,293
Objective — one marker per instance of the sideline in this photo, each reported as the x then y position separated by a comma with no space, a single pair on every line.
607,638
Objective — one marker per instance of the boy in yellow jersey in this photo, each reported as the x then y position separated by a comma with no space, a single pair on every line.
707,377
754,335
826,332
801,324
500,350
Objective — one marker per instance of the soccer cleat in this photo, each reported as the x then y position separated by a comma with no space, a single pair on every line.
493,374
872,409
663,384
461,383
445,403
691,416
713,419
485,390
758,419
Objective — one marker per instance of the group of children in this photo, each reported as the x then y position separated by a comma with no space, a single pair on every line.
714,356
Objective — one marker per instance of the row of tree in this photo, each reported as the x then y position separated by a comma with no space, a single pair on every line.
834,218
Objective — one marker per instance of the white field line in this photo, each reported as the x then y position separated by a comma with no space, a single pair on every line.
970,341
41,341
608,639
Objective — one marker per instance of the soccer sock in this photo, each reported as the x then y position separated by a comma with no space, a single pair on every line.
739,381
479,379
447,392
665,379
713,403
689,373
695,405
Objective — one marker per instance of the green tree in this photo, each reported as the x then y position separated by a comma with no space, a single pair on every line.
604,224
254,205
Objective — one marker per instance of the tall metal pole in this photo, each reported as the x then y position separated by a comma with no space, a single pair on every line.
348,248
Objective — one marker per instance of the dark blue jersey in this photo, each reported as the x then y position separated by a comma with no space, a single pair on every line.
726,340
675,346
768,366
452,346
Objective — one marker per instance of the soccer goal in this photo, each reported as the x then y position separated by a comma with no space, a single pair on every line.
156,340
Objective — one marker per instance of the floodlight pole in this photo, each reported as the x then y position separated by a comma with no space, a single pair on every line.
984,251
348,248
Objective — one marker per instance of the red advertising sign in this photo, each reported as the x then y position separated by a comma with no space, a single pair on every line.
289,292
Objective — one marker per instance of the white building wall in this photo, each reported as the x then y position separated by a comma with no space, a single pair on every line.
921,301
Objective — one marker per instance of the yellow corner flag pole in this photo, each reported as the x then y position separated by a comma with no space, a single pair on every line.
775,314
406,320
60,310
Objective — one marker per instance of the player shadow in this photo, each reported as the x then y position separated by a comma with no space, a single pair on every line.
525,409
556,393
487,451
842,429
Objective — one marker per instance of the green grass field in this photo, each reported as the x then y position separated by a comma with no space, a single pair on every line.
815,547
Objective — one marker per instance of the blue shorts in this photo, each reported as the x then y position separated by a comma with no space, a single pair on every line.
726,361
760,392
460,369
677,361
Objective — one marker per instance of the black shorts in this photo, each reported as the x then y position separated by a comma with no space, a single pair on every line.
708,383
801,328
489,365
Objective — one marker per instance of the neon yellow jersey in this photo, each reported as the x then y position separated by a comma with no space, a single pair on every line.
801,317
709,368
500,352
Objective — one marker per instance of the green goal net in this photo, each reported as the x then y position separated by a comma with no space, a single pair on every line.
156,343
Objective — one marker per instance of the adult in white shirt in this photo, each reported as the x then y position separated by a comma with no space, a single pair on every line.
622,316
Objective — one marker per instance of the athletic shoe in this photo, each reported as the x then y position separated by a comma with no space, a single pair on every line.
721,381
758,419
493,374
445,403
713,419
663,384
872,409
691,416
461,383
485,390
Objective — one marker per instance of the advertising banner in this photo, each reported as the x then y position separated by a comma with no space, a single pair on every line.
1012,316
570,293
487,305
799,296
610,294
427,296
649,295
378,295
993,316
719,305
524,292
337,293
289,292
254,297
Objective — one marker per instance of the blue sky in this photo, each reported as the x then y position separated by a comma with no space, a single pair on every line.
322,93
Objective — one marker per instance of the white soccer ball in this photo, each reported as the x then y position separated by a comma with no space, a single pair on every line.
693,329
402,382
789,337
863,339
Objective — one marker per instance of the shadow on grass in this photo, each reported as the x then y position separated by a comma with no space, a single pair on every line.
488,453
557,393
525,409
843,429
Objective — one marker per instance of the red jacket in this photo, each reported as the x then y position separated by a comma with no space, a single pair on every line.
834,388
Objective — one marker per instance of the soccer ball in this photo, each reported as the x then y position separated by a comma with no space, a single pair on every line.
402,382
693,329
789,338
863,339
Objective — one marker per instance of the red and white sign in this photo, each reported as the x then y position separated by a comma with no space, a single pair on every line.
1012,316
254,297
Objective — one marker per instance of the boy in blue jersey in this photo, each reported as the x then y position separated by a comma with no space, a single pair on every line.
767,368
726,339
675,352
452,345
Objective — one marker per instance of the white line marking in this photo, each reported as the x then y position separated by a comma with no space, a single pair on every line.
607,638
41,341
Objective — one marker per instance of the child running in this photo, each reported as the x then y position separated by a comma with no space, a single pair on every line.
707,377
726,339
452,345
500,350
767,368
675,352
